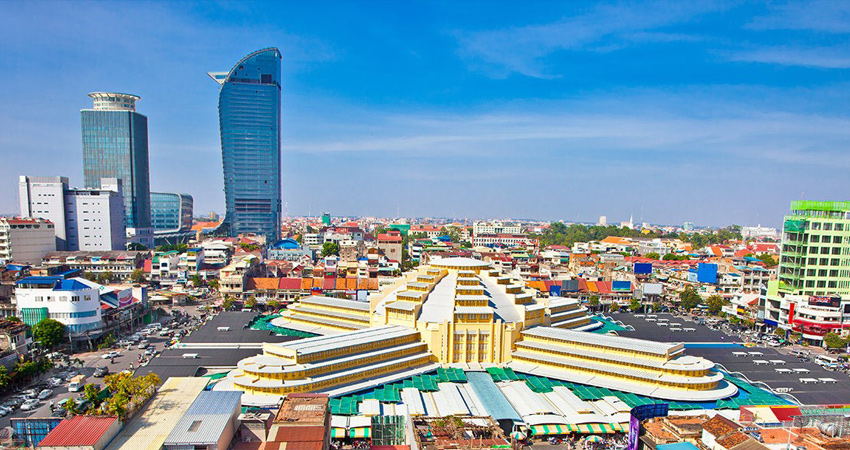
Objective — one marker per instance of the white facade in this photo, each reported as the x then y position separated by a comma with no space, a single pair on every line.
75,302
84,219
44,197
495,227
25,240
758,232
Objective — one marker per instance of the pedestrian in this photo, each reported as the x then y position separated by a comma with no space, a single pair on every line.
51,405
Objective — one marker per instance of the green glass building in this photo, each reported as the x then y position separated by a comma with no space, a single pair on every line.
815,255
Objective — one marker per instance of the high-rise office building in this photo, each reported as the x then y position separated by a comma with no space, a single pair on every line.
115,145
171,213
815,257
812,293
83,219
249,118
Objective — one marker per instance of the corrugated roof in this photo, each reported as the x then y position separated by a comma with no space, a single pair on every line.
491,397
78,431
625,343
205,419
300,433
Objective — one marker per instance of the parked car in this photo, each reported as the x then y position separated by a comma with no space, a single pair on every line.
144,344
54,381
164,332
101,371
4,411
45,394
109,355
123,343
30,404
150,351
31,393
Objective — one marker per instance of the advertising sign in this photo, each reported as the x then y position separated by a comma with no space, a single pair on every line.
829,302
638,415
643,268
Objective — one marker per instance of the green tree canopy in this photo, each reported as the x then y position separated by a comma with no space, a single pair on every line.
767,259
330,248
715,304
106,277
635,305
49,332
652,255
833,341
138,276
689,298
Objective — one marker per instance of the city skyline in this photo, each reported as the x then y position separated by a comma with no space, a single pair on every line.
671,112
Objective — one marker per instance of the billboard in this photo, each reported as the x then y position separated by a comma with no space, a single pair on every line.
569,286
707,273
621,286
638,415
829,302
554,290
643,268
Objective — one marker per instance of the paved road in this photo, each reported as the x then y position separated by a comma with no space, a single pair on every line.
91,360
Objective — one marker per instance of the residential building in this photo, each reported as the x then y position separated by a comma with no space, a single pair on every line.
25,240
390,243
84,219
13,337
233,278
502,239
115,145
120,263
171,213
249,118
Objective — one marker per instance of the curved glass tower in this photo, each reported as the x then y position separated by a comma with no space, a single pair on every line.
249,117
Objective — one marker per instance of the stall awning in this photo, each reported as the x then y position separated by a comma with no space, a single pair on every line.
596,428
543,430
338,433
360,433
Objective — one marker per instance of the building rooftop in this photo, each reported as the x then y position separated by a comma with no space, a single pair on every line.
625,343
303,409
78,431
205,419
150,426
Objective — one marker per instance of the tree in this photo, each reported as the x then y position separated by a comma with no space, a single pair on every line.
833,341
593,301
135,246
273,304
767,259
330,248
689,298
779,332
715,304
92,393
251,302
138,276
105,277
71,408
49,332
13,319
228,303
652,255
213,284
89,276
197,280
128,392
635,305
5,379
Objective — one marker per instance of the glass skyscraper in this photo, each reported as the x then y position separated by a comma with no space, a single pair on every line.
171,212
249,118
115,145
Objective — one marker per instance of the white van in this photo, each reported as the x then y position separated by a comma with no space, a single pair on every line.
827,361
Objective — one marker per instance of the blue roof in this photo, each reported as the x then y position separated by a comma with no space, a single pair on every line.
491,397
751,259
205,419
39,280
71,285
678,446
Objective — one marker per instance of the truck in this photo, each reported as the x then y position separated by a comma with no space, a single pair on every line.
77,383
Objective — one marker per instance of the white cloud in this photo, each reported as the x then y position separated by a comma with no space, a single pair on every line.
523,49
826,16
817,57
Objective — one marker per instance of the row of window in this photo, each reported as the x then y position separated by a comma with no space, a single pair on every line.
61,298
73,315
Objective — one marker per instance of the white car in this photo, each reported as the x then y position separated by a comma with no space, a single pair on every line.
109,355
143,344
45,394
30,405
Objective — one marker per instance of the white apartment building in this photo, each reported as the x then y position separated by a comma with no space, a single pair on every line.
25,240
758,232
85,219
812,316
74,301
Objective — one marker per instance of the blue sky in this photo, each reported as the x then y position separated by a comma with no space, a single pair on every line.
711,112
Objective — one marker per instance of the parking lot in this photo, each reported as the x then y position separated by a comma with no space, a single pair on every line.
774,366
91,360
